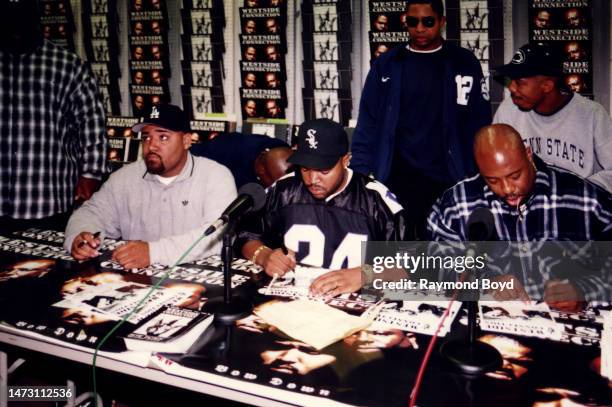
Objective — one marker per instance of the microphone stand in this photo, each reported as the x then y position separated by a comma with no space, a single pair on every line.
231,308
469,355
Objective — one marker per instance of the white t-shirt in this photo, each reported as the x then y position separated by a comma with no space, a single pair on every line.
577,138
166,180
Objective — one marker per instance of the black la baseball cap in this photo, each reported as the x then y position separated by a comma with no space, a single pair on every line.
321,143
532,60
169,117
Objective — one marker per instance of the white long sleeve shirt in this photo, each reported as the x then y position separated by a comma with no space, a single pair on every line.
135,205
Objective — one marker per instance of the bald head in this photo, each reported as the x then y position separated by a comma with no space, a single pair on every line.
272,164
504,162
498,142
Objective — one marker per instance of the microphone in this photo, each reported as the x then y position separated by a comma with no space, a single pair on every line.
481,225
251,197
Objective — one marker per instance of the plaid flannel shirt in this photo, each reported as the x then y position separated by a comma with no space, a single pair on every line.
52,130
562,207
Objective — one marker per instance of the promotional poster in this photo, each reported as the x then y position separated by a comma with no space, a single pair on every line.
79,303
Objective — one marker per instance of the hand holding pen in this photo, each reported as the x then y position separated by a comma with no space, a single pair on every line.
85,246
278,261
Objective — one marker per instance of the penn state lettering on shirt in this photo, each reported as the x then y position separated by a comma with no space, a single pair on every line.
555,148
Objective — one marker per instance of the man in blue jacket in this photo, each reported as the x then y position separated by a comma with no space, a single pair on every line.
250,157
420,108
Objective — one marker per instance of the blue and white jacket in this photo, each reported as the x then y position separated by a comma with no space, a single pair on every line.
466,109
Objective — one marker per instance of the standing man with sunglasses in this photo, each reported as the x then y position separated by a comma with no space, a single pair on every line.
421,105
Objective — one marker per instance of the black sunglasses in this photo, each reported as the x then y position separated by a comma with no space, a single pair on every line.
427,22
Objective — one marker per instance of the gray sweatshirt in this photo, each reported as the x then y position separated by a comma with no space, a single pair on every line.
577,138
135,205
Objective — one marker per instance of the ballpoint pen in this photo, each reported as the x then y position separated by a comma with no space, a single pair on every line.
84,242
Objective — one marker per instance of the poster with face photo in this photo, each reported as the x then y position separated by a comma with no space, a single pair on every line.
263,41
262,21
376,366
383,42
117,126
388,17
265,4
57,22
262,109
262,53
204,130
263,67
567,27
261,80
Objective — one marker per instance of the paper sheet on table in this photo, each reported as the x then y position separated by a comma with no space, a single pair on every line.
312,322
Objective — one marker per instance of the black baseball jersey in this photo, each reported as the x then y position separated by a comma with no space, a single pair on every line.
327,233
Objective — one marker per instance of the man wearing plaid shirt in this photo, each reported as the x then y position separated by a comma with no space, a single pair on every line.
52,145
530,202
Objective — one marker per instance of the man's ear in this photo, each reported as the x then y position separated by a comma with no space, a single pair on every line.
549,84
529,152
346,159
530,155
186,140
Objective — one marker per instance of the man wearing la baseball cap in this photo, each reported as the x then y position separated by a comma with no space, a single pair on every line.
319,215
565,129
161,204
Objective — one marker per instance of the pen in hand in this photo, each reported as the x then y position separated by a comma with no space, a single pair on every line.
84,242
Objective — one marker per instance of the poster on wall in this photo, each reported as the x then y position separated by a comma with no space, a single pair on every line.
102,49
149,54
263,46
388,26
566,25
57,22
327,46
203,47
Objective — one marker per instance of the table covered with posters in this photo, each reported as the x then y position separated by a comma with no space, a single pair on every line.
252,362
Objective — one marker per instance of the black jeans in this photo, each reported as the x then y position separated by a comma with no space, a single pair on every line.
417,193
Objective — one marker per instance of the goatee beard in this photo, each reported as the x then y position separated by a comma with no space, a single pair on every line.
155,169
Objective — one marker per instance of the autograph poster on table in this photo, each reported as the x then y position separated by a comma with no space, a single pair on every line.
42,292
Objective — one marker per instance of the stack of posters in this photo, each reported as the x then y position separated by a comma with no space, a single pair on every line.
102,49
566,25
149,63
124,144
327,45
202,63
263,45
388,27
57,22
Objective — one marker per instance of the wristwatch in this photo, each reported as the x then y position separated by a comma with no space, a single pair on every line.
367,274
